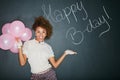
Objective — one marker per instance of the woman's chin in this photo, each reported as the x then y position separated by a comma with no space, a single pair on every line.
40,40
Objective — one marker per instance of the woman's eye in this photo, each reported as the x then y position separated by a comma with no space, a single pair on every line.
44,32
38,32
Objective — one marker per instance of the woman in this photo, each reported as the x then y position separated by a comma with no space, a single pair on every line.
40,54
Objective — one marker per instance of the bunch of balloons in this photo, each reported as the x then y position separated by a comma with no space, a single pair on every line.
11,32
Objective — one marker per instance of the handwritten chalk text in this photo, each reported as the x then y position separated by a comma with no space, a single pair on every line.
73,11
60,15
92,24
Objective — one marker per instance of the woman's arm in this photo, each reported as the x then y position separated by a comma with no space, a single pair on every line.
22,57
56,63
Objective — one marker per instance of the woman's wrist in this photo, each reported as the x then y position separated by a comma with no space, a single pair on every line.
65,54
19,44
19,47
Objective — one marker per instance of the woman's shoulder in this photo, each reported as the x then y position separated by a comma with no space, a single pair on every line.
48,45
29,41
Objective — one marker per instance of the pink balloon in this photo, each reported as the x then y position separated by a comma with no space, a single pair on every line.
6,41
14,49
17,28
6,28
0,44
26,35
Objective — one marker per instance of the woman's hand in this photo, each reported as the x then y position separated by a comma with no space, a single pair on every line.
19,43
70,52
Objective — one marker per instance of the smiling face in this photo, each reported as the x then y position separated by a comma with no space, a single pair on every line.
40,34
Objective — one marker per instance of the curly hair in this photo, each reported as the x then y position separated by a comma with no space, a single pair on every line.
44,23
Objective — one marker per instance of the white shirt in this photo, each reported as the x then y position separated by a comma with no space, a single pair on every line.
38,55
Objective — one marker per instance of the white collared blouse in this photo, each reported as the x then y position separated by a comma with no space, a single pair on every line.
38,55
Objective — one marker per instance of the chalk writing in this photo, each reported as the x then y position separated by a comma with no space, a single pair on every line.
59,15
78,7
92,24
95,23
72,35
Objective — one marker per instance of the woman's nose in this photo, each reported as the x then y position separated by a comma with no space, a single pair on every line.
41,34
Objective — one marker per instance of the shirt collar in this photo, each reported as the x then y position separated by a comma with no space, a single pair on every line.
38,42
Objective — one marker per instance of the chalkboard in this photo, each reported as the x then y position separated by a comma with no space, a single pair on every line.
89,27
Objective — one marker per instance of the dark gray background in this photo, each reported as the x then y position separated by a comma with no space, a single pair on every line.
98,57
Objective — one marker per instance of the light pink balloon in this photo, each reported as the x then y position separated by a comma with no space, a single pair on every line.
14,49
6,28
6,41
26,35
0,44
17,28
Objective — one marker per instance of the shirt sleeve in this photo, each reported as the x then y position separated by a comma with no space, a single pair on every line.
25,48
51,53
